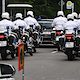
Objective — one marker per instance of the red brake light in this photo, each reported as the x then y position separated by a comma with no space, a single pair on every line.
2,36
69,36
58,33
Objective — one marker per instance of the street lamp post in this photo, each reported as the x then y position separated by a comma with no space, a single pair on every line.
61,5
3,6
72,7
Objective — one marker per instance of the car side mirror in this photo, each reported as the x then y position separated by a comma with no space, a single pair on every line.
7,70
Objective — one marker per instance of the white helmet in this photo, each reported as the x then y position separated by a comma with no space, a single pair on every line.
5,15
18,15
70,16
79,15
30,13
75,14
60,13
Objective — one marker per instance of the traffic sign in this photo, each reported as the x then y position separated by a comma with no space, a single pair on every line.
69,5
20,56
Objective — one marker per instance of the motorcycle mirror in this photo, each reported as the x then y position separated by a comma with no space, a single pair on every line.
6,70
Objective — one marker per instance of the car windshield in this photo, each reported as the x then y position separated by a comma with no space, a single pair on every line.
46,24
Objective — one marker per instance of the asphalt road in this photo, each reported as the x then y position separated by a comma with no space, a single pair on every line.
47,64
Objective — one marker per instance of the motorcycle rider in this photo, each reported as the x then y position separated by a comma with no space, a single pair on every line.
8,26
20,23
31,21
6,23
79,16
70,25
78,22
75,15
58,25
59,21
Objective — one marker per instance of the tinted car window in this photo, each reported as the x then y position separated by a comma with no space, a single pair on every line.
46,23
6,70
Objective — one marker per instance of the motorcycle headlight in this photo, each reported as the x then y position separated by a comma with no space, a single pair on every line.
54,29
23,38
61,32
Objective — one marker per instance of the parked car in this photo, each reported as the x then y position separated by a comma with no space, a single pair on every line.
46,31
7,71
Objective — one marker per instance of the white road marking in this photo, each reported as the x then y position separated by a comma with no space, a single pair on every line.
54,52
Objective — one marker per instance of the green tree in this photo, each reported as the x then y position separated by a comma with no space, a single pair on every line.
47,8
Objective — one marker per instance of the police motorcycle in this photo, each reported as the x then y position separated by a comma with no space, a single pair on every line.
7,71
33,33
27,44
17,31
23,36
71,44
6,43
57,37
37,36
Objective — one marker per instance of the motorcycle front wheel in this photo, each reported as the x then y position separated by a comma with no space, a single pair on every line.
31,54
3,54
34,49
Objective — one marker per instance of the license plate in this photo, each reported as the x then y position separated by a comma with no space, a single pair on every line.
69,44
57,38
3,43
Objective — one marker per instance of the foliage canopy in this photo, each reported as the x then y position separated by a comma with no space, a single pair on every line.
47,8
